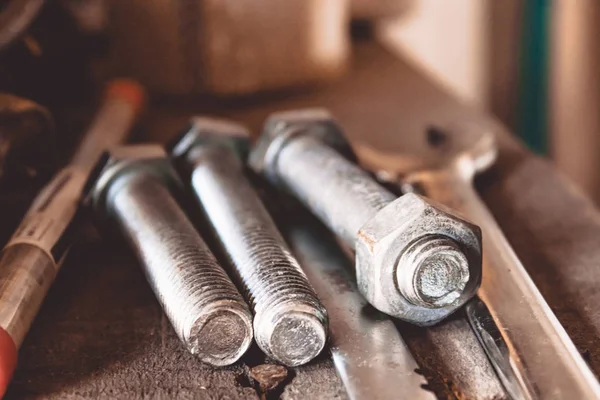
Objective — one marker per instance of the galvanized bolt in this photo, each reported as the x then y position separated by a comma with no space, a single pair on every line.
414,259
208,313
290,322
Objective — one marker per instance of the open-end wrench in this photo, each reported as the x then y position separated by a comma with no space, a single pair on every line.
529,348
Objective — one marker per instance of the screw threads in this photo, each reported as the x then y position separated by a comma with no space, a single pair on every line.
339,192
290,323
203,305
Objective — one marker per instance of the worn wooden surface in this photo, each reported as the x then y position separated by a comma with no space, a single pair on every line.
102,334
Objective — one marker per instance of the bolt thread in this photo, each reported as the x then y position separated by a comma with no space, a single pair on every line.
272,279
184,274
339,192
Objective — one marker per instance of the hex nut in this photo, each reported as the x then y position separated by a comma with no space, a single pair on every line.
283,126
121,161
211,131
383,240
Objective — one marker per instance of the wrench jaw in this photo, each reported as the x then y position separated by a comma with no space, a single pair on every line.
117,163
206,131
417,262
284,125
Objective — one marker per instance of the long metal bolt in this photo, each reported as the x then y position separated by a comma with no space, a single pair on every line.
301,152
344,196
290,322
206,310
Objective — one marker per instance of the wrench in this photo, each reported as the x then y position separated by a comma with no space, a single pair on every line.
530,350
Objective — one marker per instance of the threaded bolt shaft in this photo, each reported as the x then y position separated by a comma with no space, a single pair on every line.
206,310
339,192
345,197
290,322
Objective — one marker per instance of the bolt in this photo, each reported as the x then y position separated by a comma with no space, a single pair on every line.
209,315
415,260
439,271
290,322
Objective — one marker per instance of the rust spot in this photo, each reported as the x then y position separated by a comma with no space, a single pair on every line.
455,390
367,240
268,376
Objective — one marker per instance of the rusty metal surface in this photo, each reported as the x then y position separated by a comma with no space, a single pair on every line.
102,333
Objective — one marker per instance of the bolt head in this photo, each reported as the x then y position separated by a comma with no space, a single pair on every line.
417,261
123,161
204,131
283,126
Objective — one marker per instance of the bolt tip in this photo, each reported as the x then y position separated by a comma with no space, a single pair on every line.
434,274
441,279
296,337
222,336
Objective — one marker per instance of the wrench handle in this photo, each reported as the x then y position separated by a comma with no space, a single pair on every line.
540,351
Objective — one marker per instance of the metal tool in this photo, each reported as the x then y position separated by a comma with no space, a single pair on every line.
208,313
290,323
26,141
369,354
414,260
31,259
530,350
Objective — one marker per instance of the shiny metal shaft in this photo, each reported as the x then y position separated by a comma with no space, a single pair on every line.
290,323
339,192
206,310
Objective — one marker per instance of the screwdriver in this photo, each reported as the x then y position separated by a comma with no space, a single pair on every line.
31,259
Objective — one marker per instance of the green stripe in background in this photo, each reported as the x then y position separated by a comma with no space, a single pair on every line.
532,108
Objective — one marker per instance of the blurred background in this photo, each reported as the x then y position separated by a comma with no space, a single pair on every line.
532,63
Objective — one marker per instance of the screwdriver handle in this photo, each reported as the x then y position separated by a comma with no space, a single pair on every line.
30,260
